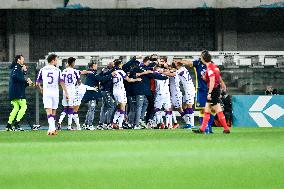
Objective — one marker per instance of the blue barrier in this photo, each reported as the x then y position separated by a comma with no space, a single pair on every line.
258,111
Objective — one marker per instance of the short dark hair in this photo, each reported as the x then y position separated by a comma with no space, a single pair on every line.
51,57
91,63
154,57
206,56
146,58
164,58
71,60
17,57
117,62
177,58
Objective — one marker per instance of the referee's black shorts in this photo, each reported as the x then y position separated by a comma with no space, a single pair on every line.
215,96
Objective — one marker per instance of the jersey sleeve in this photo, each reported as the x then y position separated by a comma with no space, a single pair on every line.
123,74
181,73
210,71
77,75
195,63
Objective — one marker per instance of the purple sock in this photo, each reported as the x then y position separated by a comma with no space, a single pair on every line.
168,112
190,110
121,111
182,114
185,111
49,116
70,110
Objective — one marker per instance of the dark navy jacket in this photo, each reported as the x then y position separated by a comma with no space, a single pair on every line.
93,80
108,84
17,83
144,87
128,65
127,68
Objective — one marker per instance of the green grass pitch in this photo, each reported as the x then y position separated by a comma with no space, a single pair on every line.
248,158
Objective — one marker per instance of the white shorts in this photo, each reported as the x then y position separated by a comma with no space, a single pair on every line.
163,100
50,102
188,97
176,100
77,100
120,97
70,102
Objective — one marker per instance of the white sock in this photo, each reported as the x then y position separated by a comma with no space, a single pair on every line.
70,117
186,119
162,119
174,117
116,116
120,120
51,123
169,120
158,116
62,116
76,120
191,116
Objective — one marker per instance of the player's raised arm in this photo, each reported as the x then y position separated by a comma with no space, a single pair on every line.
144,73
132,79
168,73
187,62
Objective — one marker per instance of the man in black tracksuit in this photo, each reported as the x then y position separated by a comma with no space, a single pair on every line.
108,102
17,95
141,91
93,79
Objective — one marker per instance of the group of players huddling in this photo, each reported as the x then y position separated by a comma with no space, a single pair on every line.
129,91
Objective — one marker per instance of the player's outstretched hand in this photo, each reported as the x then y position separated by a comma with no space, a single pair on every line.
29,81
96,89
138,79
209,97
24,68
67,97
84,72
113,73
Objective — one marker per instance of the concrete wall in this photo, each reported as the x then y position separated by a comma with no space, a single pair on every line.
250,30
261,41
34,33
3,37
121,30
260,30
176,4
30,4
130,4
18,33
